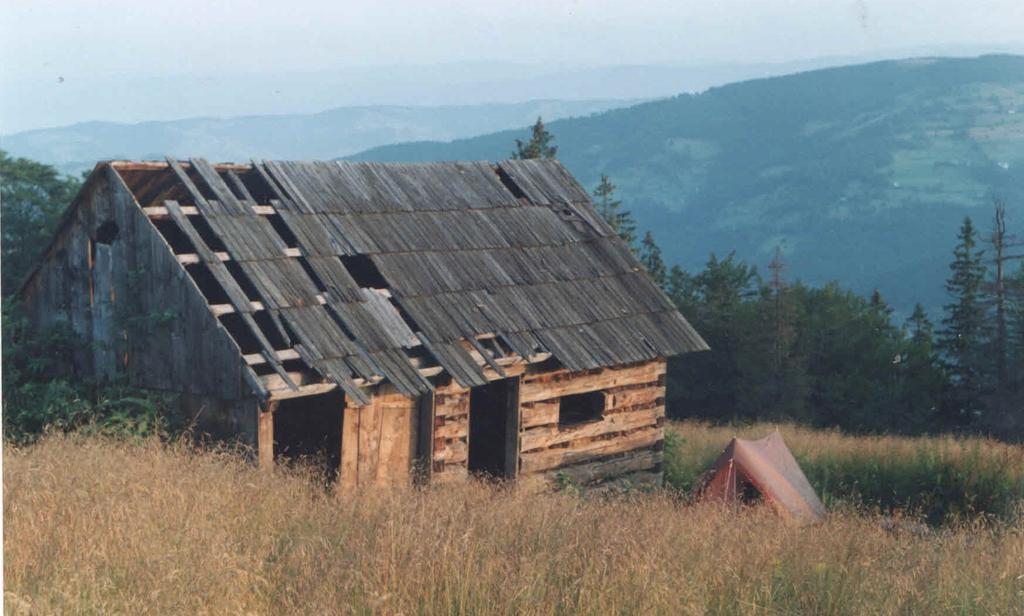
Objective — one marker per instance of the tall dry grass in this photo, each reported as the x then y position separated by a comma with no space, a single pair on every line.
937,476
104,527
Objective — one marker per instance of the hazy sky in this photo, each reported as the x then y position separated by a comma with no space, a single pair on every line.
47,42
87,38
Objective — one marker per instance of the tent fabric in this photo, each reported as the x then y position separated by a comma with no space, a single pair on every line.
768,466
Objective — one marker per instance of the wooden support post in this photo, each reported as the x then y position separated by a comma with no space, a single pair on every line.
423,430
513,426
348,474
266,436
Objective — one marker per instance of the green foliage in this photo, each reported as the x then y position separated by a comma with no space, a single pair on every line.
926,482
683,470
829,358
650,256
539,145
1016,330
32,198
963,337
938,477
39,394
620,220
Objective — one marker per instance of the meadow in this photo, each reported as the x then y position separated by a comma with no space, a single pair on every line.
939,478
95,525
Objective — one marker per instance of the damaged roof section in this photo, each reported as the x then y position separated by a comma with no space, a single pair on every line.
361,273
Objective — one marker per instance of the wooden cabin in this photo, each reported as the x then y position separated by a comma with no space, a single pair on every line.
404,322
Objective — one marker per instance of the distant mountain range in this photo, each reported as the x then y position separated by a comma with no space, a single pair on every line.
328,134
50,97
862,174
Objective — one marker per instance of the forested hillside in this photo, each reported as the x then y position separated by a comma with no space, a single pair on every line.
861,174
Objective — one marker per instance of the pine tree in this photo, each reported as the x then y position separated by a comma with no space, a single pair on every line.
650,256
621,221
962,339
1015,286
539,145
783,389
922,377
1000,293
681,288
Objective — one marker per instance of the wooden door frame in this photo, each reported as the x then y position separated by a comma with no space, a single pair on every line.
513,427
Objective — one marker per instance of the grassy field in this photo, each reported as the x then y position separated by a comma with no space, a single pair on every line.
95,526
936,477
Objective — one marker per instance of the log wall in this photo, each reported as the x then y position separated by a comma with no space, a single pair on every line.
451,434
624,445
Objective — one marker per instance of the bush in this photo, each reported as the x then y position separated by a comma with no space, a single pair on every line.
39,396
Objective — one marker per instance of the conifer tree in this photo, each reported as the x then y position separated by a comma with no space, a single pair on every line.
610,208
922,377
962,339
539,145
650,256
1016,330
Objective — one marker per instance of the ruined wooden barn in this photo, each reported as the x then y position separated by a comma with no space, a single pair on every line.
402,321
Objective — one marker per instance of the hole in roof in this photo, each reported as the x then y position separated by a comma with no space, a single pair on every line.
509,184
282,230
364,271
257,187
233,187
295,365
270,330
240,333
208,285
243,281
206,232
174,236
320,286
199,182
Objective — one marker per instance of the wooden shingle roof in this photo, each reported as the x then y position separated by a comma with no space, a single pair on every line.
368,271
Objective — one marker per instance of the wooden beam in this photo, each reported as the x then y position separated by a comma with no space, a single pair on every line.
156,165
303,390
189,258
159,212
138,165
222,309
265,437
192,258
254,359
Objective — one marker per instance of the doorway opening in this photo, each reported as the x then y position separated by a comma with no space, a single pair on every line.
308,430
494,429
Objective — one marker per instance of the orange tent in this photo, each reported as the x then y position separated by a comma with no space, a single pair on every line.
766,467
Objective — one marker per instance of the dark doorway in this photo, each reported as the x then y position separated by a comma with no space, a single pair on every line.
494,429
308,429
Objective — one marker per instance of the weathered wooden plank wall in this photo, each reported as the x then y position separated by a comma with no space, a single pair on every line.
378,442
137,310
